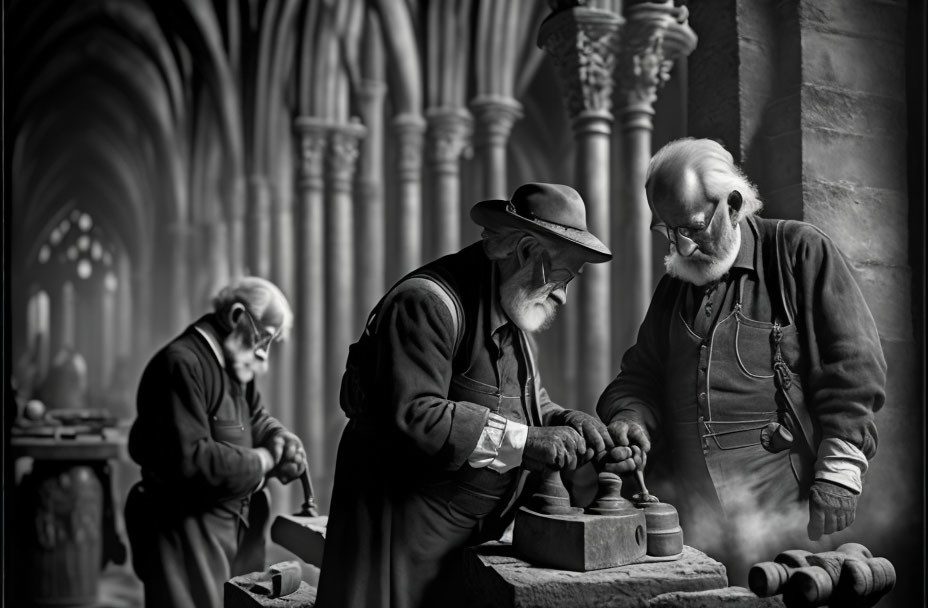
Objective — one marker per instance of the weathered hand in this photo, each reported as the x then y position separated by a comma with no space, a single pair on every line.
632,446
831,508
552,448
292,457
592,430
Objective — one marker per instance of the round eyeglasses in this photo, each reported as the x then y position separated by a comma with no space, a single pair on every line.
262,343
682,236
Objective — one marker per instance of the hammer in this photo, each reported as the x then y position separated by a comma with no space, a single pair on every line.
308,509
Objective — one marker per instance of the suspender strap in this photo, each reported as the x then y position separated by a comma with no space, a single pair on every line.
782,378
432,285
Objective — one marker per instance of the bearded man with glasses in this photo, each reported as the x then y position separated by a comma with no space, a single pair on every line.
758,363
206,446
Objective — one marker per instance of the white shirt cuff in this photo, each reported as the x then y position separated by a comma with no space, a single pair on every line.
500,445
841,463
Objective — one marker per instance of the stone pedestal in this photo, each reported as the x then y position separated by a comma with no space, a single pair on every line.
727,597
490,575
64,510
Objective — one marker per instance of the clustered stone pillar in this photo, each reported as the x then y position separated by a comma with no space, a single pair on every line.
310,293
495,116
237,243
371,250
341,160
259,226
178,239
448,139
583,44
409,130
655,34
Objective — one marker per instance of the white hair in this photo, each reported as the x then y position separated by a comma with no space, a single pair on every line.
261,298
713,166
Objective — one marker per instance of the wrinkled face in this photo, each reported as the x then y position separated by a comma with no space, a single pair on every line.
246,348
532,295
703,241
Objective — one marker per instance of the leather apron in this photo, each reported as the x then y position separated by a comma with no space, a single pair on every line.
723,403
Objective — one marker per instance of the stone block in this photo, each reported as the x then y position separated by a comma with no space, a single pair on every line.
885,20
238,594
580,542
491,576
783,155
877,114
840,61
303,536
888,292
874,162
869,225
728,597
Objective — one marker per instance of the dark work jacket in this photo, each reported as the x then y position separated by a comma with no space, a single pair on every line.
418,434
196,424
187,520
839,356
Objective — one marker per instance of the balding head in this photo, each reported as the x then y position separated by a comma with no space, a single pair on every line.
689,172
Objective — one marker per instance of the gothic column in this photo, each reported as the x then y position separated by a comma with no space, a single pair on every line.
341,330
236,223
283,361
583,43
655,34
495,116
259,226
448,139
309,303
409,130
371,248
179,308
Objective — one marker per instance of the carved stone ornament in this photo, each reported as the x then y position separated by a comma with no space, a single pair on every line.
344,147
409,130
449,135
313,139
655,35
495,116
583,44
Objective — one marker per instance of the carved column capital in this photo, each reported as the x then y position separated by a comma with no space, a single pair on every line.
583,43
370,90
656,33
409,130
449,136
344,147
313,136
495,115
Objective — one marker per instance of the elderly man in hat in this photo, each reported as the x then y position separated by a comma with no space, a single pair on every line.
447,412
758,361
206,446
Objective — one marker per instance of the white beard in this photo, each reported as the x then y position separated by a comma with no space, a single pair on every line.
531,310
702,269
242,361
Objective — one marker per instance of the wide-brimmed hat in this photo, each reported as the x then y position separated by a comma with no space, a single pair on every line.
550,210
